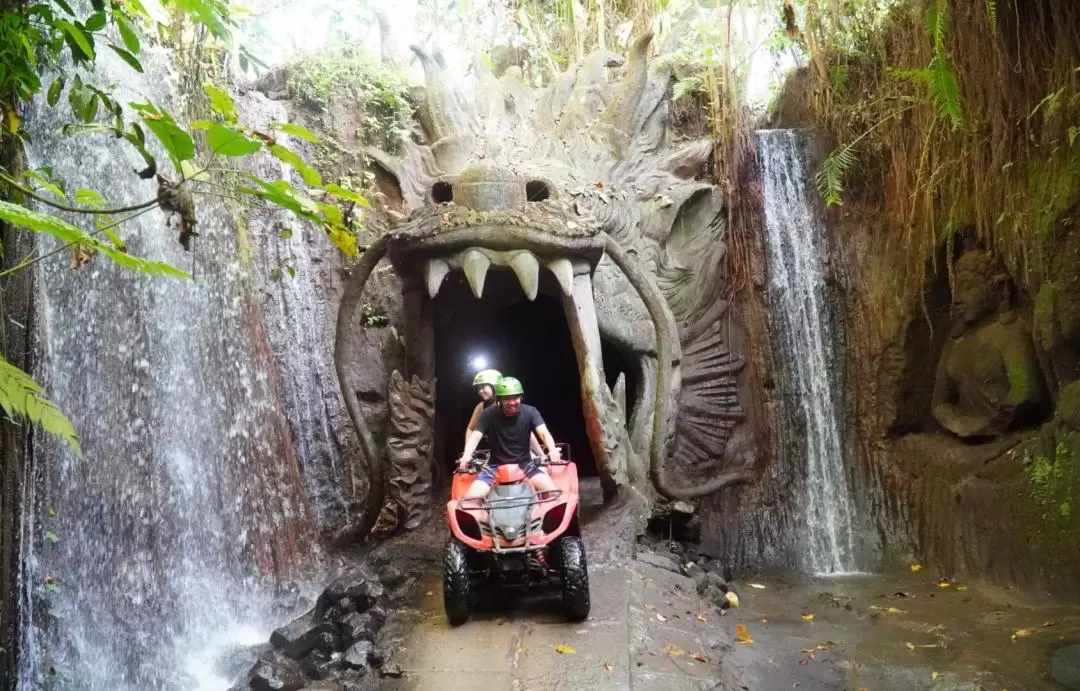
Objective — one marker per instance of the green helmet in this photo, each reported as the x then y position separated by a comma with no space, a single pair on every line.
487,376
508,386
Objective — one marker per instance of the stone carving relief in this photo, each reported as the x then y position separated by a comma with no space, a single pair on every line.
988,376
582,180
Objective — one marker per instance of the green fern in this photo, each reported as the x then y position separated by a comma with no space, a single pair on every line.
945,91
991,13
937,25
22,397
830,177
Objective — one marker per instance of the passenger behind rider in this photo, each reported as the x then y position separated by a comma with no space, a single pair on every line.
484,383
509,426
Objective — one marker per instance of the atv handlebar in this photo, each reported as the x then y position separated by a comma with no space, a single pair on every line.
481,458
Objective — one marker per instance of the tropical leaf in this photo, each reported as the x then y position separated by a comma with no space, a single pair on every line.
830,178
310,175
127,57
175,140
295,130
226,141
945,92
22,397
221,103
348,195
43,223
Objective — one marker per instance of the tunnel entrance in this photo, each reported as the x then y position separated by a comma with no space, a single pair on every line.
528,340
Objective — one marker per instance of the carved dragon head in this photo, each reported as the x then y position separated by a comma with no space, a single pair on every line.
579,179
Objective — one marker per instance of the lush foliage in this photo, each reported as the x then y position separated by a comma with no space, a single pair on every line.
53,39
948,116
380,93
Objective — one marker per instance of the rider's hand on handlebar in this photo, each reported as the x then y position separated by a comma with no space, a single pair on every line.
553,456
463,463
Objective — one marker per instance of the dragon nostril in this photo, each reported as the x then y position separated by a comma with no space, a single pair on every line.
442,192
536,190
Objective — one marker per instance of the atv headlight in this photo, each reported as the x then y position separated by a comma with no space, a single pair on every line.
467,523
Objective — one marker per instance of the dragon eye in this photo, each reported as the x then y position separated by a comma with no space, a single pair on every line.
536,190
442,192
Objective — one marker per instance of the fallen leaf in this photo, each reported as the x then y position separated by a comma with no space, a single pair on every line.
803,661
608,666
429,593
674,650
916,567
757,585
500,621
808,617
732,598
565,650
743,634
910,645
581,631
660,617
1048,623
701,618
944,583
649,606
700,658
933,676
961,588
825,646
1022,633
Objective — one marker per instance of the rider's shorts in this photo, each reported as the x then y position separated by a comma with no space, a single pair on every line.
531,470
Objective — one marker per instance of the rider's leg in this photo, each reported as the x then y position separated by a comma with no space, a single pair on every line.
481,485
477,490
541,481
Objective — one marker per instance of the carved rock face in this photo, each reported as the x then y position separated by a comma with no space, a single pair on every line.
989,375
578,181
974,294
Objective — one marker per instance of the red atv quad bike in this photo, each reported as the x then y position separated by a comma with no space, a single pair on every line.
515,537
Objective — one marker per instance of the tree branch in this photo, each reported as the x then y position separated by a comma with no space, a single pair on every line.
78,209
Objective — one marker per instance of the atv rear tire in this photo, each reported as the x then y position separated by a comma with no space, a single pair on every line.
457,583
575,578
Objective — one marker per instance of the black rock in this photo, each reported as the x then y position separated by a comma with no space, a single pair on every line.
360,655
297,638
1065,666
358,627
392,671
266,676
391,576
363,590
320,665
339,610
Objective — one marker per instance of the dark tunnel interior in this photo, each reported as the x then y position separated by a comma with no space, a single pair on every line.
528,340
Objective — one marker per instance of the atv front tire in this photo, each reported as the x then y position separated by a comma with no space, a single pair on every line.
575,578
457,582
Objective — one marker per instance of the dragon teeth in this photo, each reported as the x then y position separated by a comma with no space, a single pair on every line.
527,269
435,271
564,274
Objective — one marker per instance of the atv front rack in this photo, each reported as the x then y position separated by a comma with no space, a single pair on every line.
510,502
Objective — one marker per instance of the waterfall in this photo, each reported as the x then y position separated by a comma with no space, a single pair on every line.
798,298
187,510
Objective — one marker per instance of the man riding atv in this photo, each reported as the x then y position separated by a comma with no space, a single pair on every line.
484,383
509,427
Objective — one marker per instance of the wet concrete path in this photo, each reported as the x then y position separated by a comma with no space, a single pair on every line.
649,629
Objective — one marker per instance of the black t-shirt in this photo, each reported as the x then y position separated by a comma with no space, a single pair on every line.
508,436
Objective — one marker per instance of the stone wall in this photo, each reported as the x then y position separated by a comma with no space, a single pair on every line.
967,436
